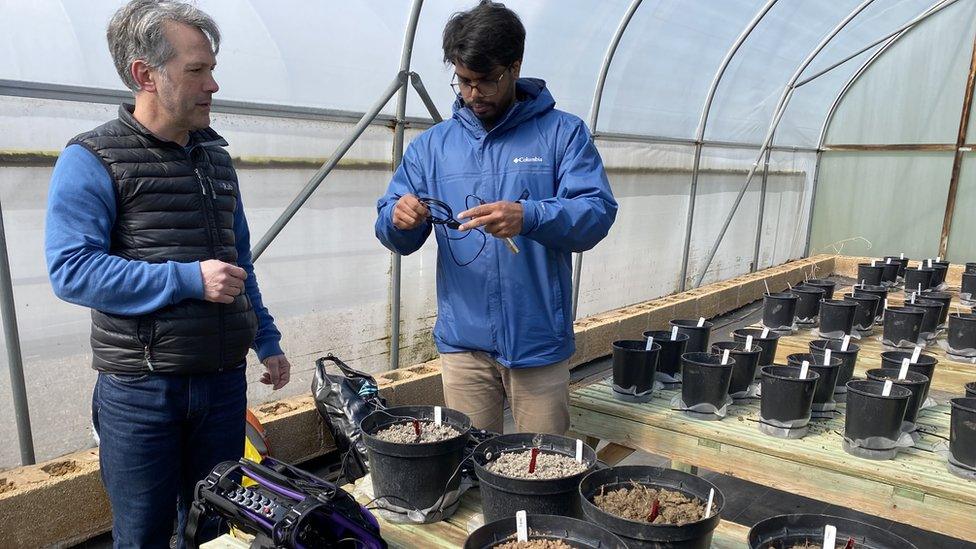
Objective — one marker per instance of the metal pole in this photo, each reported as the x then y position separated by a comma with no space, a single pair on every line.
594,117
967,107
418,85
401,113
15,361
398,83
778,115
762,208
700,134
932,10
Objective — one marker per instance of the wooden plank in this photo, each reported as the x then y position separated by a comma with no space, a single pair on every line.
915,488
614,453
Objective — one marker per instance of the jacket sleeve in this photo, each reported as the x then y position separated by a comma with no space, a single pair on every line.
267,342
581,213
81,212
408,179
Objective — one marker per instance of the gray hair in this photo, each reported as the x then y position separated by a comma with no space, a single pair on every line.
136,32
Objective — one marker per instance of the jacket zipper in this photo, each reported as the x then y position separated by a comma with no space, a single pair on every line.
211,223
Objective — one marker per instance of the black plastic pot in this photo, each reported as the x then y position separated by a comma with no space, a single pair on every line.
768,343
698,336
961,335
414,476
694,535
788,530
502,496
925,365
903,327
945,298
880,291
914,382
968,288
890,275
870,274
971,389
824,395
836,318
704,379
847,358
914,277
962,431
669,357
746,363
827,285
865,315
970,268
633,369
779,309
930,321
785,397
808,304
941,270
575,532
871,415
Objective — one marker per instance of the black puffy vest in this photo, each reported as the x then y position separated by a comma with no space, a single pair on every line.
171,205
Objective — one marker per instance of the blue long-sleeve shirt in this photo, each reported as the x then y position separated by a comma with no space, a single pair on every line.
81,212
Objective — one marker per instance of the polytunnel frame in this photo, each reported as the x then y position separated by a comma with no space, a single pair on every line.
399,87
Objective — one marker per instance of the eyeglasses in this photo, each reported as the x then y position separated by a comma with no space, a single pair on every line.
486,88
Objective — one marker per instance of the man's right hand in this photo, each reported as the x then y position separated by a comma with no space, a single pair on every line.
221,281
409,213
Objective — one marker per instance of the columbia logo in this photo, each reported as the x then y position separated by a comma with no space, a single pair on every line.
226,186
524,159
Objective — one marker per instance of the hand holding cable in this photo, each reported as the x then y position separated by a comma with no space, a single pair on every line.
500,219
409,213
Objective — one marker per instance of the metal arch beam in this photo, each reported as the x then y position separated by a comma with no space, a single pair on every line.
594,116
700,131
821,142
777,116
401,111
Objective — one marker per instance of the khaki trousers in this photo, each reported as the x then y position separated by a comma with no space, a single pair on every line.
476,385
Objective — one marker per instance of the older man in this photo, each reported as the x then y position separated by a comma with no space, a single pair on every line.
145,226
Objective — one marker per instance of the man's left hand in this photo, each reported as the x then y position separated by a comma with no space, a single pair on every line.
500,219
279,371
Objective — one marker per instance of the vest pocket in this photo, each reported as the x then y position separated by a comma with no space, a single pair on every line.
147,336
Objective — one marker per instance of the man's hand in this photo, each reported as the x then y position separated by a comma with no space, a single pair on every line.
500,219
279,371
221,281
409,213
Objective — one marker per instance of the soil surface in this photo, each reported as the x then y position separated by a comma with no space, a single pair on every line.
535,544
636,502
60,468
404,433
5,485
547,465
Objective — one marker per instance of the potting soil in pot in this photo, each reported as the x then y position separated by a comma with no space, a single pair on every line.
637,503
547,465
404,433
535,544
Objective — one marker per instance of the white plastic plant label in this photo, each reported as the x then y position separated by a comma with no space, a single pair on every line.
701,321
650,343
902,256
913,297
804,367
438,415
766,284
888,261
579,451
749,343
886,303
938,259
521,526
916,354
903,373
765,333
725,357
674,333
830,535
886,390
708,506
874,262
846,343
930,263
827,357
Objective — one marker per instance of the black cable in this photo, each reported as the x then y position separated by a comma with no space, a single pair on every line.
441,215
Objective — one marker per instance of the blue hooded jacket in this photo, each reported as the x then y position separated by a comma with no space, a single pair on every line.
514,307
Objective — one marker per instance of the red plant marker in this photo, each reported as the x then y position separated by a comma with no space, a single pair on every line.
416,427
535,454
850,543
655,509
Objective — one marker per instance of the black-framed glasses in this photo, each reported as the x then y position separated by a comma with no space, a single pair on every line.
486,88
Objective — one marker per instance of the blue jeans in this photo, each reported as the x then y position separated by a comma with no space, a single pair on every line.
158,436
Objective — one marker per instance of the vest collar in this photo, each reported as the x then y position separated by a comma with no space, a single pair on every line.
198,138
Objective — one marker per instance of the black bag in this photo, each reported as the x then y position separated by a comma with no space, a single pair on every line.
343,400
